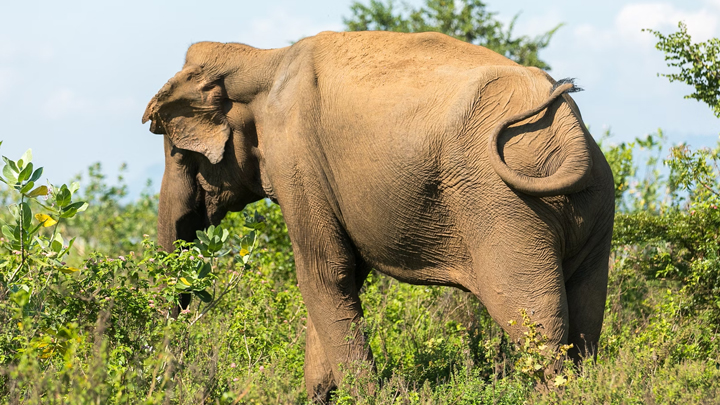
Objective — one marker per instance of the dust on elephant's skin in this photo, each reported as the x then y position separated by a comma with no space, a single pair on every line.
429,159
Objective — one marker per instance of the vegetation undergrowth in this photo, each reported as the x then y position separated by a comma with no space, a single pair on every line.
86,294
96,329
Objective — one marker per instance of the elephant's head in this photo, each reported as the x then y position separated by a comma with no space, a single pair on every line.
211,155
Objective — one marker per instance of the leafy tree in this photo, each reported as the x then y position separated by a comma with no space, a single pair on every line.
699,64
676,240
466,20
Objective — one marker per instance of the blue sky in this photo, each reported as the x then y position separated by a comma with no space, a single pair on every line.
75,76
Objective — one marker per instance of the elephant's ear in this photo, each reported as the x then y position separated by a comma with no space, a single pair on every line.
202,132
189,110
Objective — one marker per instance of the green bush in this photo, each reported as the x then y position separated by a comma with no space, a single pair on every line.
110,225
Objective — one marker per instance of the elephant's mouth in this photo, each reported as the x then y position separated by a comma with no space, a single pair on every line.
156,127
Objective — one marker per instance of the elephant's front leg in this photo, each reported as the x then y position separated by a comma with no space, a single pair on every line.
326,271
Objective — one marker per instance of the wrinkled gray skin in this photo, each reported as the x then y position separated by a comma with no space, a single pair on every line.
390,151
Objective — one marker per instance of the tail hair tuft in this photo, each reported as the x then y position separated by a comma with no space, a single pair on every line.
570,80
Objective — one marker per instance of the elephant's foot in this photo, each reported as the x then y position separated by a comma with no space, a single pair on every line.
322,391
184,303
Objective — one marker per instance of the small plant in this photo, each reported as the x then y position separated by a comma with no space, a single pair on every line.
111,224
36,255
536,358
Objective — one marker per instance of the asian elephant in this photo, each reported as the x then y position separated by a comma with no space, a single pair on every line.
427,158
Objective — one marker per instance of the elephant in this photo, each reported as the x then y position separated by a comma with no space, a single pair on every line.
431,160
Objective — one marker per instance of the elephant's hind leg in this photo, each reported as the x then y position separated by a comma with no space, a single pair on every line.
586,294
523,274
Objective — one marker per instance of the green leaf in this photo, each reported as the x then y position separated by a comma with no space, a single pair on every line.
10,175
27,187
12,164
204,271
74,186
69,270
36,175
26,172
26,215
202,237
56,246
38,192
71,210
68,213
27,156
215,244
248,241
8,233
17,233
225,235
76,206
63,196
203,295
57,243
20,296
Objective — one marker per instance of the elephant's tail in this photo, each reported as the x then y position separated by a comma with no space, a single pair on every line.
570,177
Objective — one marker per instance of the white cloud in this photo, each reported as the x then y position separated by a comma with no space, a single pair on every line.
702,24
594,38
713,3
627,33
281,29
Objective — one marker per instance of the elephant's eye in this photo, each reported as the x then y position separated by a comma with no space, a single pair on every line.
209,85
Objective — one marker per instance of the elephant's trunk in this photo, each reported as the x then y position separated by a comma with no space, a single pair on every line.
570,178
181,211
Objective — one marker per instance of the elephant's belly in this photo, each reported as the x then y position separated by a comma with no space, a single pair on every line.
416,242
453,276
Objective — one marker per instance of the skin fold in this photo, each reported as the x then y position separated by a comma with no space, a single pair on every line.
429,159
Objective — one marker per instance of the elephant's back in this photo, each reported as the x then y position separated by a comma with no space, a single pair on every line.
377,58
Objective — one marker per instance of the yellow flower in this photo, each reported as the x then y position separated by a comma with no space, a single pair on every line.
46,220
